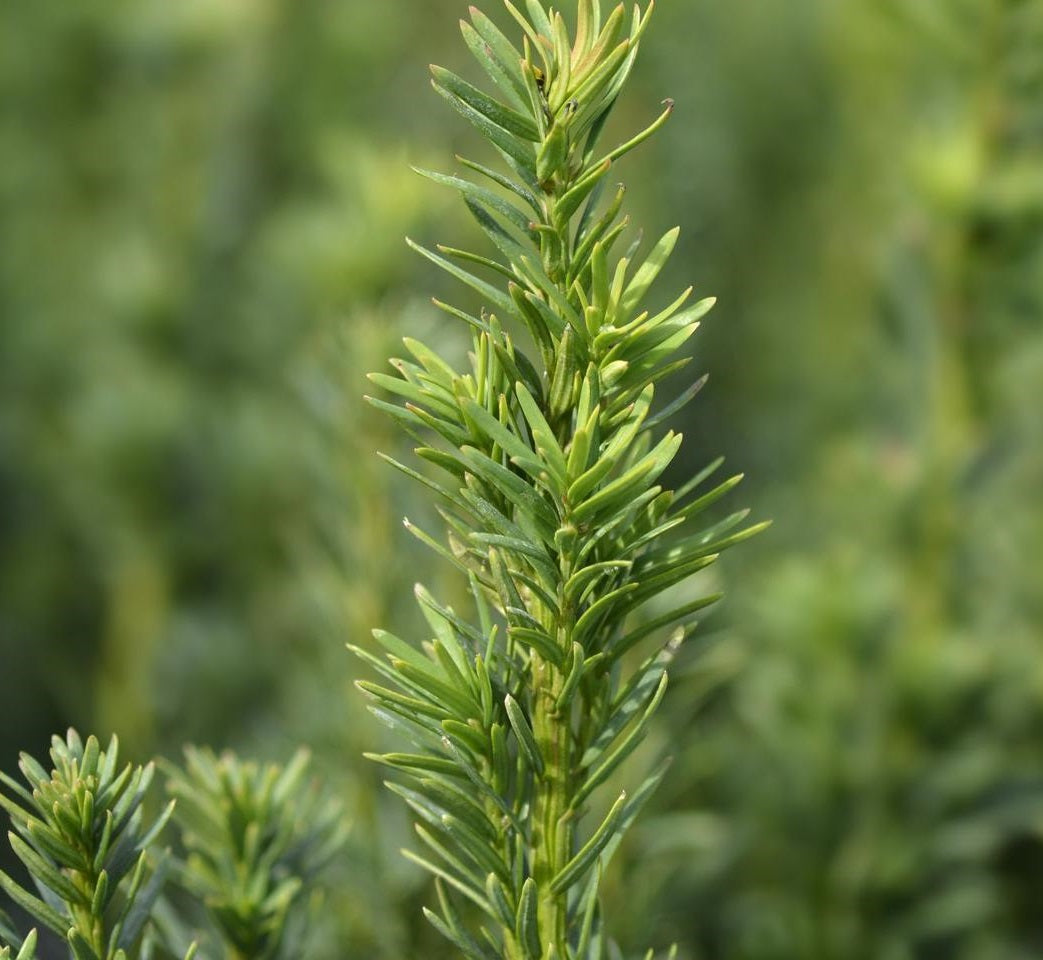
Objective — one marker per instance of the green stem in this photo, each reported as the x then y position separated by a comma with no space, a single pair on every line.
553,829
89,926
553,794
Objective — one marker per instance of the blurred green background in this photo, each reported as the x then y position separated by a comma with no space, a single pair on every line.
201,213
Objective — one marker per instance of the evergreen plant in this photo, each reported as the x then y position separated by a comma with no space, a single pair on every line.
516,718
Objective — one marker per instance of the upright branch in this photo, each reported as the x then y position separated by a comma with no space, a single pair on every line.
81,832
547,464
256,838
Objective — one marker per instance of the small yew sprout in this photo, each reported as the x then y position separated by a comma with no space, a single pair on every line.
256,838
81,832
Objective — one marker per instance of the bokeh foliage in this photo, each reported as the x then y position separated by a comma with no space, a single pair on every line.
200,256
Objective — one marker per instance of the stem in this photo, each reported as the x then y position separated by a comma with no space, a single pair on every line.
553,828
90,926
551,832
